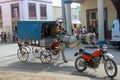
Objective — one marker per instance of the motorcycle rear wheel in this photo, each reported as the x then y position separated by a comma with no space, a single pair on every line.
80,64
110,66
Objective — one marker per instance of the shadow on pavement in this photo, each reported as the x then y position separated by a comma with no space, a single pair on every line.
37,67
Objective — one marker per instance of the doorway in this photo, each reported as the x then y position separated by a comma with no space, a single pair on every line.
92,20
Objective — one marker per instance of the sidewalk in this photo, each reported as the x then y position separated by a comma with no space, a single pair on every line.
8,49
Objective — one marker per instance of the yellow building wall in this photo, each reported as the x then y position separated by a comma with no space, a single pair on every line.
57,12
92,4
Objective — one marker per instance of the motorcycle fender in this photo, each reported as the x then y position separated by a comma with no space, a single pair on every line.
109,55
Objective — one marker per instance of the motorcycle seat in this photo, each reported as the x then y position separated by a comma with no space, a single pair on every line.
88,54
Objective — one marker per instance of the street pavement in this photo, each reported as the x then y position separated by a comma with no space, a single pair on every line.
10,62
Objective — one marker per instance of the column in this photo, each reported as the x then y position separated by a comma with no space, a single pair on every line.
101,20
68,17
63,14
24,10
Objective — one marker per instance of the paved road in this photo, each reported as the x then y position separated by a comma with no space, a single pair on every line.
10,62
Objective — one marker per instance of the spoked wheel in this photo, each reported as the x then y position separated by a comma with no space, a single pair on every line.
45,57
22,54
110,68
80,64
55,56
36,52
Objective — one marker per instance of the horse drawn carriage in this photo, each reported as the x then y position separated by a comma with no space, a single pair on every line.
46,46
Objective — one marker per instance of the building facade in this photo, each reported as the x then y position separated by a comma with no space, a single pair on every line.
57,13
89,15
12,11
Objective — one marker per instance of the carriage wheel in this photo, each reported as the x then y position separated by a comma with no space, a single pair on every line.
45,57
22,54
36,52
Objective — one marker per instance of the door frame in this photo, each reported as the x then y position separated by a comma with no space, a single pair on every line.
105,21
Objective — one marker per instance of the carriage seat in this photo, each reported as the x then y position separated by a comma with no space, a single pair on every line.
53,45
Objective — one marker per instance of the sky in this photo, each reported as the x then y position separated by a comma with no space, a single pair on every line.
58,3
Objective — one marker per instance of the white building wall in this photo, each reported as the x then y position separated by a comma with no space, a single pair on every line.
49,9
48,4
24,10
24,13
50,12
6,15
38,11
6,18
57,13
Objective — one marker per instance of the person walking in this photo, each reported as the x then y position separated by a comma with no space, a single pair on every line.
92,38
83,30
8,37
5,36
2,36
78,32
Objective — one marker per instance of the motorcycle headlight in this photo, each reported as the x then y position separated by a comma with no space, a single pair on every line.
104,48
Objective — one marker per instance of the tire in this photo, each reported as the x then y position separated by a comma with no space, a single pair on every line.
45,57
56,56
108,67
22,54
78,66
36,52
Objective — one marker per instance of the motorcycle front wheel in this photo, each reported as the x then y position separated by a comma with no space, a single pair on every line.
80,64
110,68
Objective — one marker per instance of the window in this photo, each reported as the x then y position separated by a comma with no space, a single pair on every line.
93,15
15,10
43,11
32,10
0,13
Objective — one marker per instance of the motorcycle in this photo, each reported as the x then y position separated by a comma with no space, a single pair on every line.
92,60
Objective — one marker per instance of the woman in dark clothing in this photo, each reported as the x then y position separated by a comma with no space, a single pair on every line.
5,37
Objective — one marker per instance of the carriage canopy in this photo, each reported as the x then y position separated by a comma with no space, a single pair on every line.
32,30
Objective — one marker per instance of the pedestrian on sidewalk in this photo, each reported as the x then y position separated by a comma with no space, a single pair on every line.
92,38
78,33
2,36
8,37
